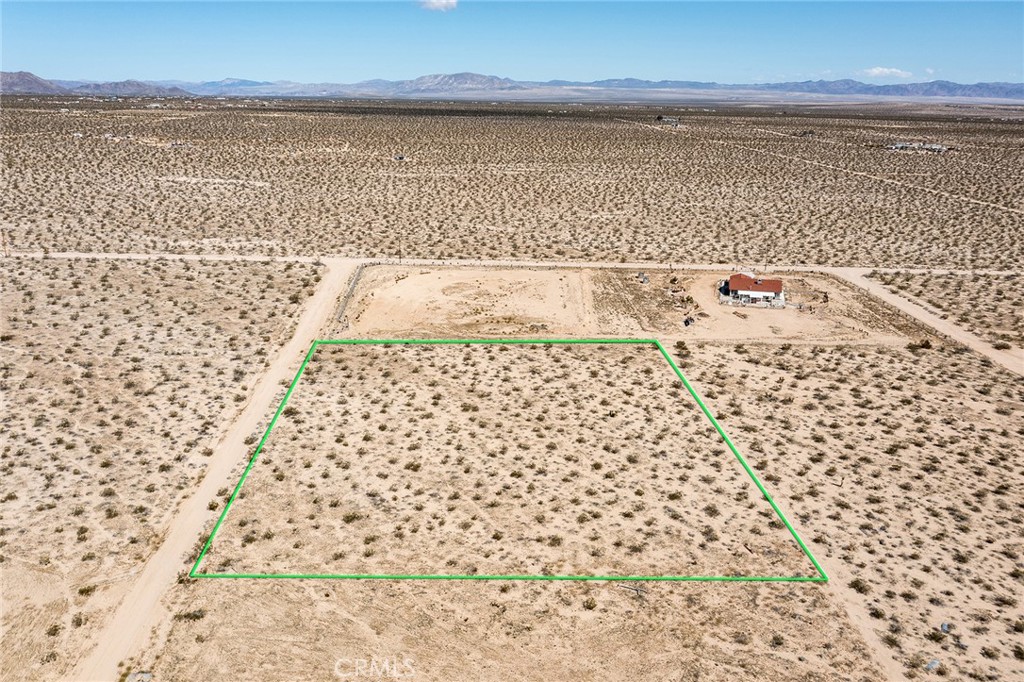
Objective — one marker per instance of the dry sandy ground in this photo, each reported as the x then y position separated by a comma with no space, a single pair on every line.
514,181
139,614
264,630
898,467
991,306
896,464
421,302
903,467
116,377
899,464
499,460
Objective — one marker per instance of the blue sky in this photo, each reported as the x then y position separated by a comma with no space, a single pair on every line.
737,42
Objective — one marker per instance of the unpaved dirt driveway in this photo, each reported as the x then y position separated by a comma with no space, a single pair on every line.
1012,359
140,610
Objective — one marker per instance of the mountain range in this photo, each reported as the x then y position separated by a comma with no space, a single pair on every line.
477,86
25,83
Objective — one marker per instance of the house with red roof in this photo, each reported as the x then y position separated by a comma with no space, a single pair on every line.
746,289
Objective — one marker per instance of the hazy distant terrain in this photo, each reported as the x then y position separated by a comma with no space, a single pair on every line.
477,86
24,83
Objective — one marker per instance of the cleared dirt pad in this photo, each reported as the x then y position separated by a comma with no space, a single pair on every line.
395,302
455,302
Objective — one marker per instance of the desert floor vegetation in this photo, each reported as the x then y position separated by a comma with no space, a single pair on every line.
902,466
895,462
116,376
493,631
522,181
551,459
991,306
894,452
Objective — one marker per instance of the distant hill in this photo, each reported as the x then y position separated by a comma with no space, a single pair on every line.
221,87
129,88
457,82
478,86
68,84
929,89
462,85
25,83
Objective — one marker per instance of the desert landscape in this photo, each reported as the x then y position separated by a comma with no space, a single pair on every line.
166,271
124,373
406,461
986,304
567,182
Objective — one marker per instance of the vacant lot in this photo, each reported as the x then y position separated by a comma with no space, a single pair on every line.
440,459
895,463
514,181
903,469
117,376
866,463
499,460
496,631
991,306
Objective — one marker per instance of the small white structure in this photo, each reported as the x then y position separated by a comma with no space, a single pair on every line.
917,146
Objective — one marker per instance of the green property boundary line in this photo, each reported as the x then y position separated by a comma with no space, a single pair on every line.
822,577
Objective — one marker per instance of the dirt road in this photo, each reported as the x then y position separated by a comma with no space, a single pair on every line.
140,610
506,263
1012,359
811,162
141,613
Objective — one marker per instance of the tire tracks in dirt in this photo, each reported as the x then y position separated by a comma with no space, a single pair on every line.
140,611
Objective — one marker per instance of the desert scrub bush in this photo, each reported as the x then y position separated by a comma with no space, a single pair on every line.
197,614
891,640
859,586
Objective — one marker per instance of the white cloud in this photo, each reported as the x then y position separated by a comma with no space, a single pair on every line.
930,72
439,5
885,72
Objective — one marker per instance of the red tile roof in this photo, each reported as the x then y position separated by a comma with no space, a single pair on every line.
745,283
